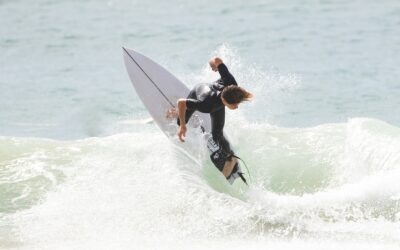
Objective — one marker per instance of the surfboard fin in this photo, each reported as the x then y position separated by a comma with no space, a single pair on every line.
240,173
243,179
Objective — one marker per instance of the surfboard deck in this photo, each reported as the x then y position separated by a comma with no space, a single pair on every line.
159,91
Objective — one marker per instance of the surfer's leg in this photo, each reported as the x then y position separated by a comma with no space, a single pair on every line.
217,126
217,123
228,167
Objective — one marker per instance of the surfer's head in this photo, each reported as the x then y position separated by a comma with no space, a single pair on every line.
233,95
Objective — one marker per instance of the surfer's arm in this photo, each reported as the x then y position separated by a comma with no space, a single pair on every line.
217,64
186,108
182,121
226,76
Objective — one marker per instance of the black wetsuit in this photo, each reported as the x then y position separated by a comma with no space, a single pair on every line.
206,98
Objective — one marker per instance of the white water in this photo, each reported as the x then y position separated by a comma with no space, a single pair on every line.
333,183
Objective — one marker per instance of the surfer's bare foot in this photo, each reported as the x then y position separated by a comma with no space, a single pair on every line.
172,113
228,167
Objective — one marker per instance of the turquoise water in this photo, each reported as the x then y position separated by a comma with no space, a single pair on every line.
81,167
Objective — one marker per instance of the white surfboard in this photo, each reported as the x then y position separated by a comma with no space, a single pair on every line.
159,91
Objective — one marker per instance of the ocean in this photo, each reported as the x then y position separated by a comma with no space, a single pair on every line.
83,167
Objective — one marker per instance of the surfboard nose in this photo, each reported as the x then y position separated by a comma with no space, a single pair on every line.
127,49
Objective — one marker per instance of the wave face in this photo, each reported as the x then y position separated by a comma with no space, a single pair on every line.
333,181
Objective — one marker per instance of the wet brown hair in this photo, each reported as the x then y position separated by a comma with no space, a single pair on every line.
234,94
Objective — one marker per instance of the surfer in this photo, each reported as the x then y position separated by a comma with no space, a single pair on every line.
212,98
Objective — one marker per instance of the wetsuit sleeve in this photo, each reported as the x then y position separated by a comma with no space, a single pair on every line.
226,76
192,104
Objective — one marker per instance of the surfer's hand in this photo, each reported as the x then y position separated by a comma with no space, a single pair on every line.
182,133
215,62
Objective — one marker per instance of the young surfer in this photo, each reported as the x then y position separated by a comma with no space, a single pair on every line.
212,98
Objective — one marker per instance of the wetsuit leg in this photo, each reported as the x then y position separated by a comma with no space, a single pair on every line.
225,153
217,126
